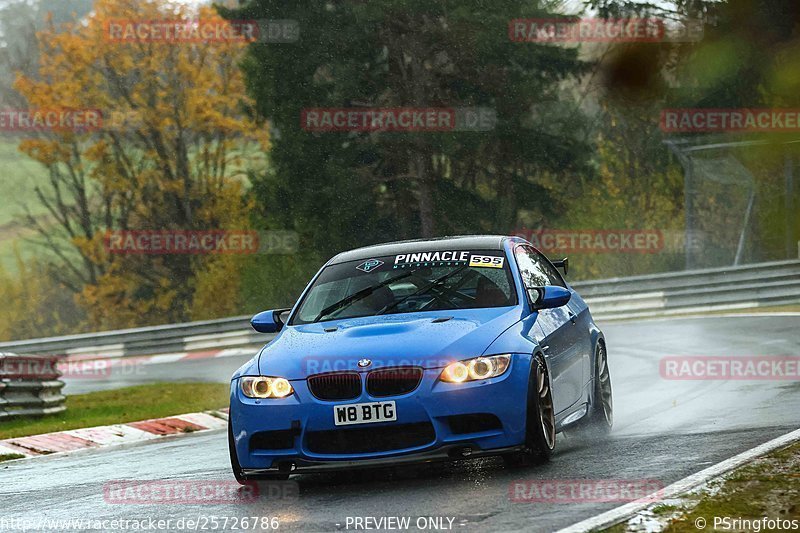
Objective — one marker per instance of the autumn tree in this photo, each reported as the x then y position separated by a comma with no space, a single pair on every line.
176,141
19,21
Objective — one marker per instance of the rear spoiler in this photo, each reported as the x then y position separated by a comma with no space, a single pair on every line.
563,264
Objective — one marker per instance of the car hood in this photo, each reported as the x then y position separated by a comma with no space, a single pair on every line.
426,339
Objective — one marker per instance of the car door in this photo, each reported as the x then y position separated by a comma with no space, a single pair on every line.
557,334
578,314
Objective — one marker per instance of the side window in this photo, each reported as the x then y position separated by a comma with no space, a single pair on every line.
536,269
533,273
552,273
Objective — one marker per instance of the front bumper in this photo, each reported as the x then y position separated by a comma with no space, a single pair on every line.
445,453
430,425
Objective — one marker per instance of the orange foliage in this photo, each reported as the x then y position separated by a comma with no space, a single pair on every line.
177,137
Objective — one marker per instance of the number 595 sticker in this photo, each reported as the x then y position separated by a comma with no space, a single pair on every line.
489,261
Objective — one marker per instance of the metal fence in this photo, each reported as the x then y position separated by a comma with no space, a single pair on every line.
694,291
190,336
29,385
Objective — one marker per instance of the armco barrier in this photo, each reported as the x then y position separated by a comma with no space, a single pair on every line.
29,385
207,334
739,287
693,291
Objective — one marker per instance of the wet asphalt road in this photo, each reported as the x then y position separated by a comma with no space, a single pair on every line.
664,430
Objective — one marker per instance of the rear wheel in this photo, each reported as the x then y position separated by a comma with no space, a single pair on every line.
540,422
600,418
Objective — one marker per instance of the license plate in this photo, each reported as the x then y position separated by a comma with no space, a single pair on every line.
364,413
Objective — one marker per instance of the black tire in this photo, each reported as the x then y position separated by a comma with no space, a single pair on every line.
540,422
240,476
599,419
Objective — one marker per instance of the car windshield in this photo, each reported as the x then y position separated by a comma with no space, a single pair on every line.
409,283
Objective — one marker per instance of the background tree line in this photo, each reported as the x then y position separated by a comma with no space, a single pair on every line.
211,138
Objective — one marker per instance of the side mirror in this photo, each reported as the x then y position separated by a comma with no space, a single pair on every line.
270,321
563,264
549,296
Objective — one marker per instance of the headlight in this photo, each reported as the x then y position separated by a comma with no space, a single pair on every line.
476,369
264,387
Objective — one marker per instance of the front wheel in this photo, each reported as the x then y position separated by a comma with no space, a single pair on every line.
540,421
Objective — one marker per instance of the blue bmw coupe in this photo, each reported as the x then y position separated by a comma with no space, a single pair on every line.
421,351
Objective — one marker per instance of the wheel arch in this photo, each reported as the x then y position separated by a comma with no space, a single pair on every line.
537,353
597,339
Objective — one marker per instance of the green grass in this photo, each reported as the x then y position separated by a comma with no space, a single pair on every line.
767,487
664,509
19,175
129,404
10,456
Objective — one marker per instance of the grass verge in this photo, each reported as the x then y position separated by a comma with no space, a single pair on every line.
768,487
129,404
